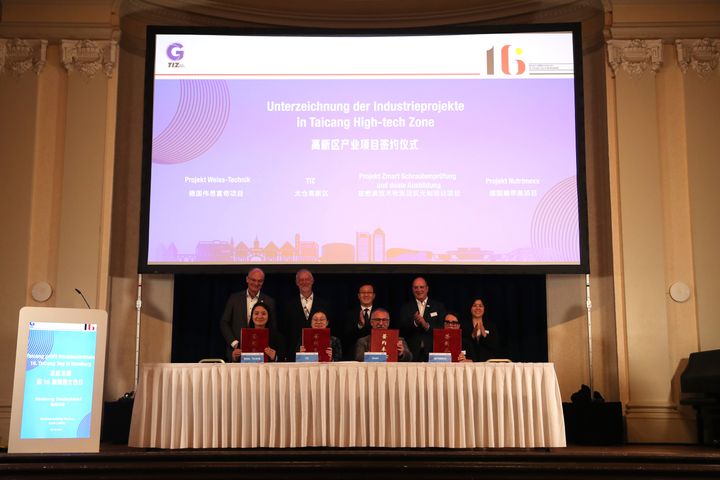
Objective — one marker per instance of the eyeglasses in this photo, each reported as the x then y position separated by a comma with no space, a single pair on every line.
451,322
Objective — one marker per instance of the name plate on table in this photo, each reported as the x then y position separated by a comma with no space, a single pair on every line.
440,357
306,357
247,357
375,357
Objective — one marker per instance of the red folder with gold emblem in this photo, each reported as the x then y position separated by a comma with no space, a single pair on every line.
317,340
385,340
447,340
254,340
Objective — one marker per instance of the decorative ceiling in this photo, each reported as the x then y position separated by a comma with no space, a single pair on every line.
135,15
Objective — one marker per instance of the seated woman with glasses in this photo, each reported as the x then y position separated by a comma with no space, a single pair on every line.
467,354
334,351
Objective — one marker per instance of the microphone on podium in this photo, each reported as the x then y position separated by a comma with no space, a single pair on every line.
83,297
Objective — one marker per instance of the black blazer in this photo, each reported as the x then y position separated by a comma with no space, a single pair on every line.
416,335
484,348
235,317
277,342
351,333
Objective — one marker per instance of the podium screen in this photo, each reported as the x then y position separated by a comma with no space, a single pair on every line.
58,380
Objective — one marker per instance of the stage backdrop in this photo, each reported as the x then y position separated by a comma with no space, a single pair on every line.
515,303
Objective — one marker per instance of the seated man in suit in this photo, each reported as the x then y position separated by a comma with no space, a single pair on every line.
238,308
300,309
418,318
357,320
380,318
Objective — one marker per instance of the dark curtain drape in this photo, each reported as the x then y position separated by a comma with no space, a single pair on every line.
515,303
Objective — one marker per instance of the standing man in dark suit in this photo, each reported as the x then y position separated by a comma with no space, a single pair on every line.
418,318
238,307
357,320
300,309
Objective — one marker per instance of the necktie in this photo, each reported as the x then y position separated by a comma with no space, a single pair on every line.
366,314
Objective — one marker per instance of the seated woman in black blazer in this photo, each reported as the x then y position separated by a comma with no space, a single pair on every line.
260,318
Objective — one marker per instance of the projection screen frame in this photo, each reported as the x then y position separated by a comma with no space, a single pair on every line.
144,266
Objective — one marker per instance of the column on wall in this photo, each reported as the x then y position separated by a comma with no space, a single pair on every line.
58,131
699,61
85,211
21,62
650,126
65,92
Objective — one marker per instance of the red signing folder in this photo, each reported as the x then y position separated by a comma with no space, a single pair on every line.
446,340
254,340
317,340
385,340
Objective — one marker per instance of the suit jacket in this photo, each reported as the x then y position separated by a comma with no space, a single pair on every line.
294,321
363,345
485,348
235,317
337,349
277,342
351,333
469,346
420,340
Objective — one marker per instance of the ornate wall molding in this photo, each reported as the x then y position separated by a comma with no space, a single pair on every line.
351,13
700,55
55,20
635,56
18,56
135,15
89,56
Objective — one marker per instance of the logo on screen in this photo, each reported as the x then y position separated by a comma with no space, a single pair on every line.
518,66
174,52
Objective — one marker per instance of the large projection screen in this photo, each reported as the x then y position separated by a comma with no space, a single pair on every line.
454,150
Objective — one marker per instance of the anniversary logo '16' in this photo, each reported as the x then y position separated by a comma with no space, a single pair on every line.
175,53
518,67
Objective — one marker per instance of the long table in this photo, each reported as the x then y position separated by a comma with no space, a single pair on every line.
347,404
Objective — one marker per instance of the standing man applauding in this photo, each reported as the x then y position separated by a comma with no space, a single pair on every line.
418,318
357,321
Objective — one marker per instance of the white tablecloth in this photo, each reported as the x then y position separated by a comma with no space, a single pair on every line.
347,404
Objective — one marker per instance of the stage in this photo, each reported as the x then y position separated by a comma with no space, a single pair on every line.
572,462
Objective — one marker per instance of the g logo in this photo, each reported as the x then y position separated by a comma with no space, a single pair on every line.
174,53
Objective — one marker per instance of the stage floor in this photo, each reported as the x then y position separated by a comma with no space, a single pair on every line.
572,462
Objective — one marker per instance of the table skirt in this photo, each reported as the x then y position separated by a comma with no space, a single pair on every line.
348,404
